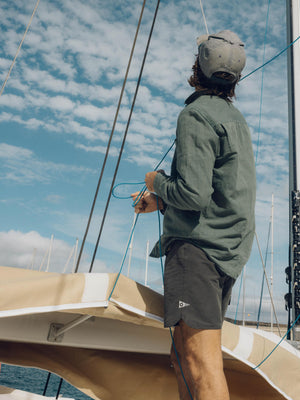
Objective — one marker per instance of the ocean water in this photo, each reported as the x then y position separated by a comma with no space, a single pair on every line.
34,380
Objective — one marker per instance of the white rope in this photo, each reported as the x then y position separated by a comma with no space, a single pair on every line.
19,48
203,14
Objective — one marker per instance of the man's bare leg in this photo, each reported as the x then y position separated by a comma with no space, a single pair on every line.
202,363
178,352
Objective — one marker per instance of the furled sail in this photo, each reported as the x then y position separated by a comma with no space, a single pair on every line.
111,344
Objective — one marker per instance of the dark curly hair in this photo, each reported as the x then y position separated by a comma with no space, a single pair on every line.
201,83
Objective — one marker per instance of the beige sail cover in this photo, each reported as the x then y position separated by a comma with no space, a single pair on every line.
109,374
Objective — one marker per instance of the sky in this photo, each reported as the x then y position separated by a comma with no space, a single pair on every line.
57,112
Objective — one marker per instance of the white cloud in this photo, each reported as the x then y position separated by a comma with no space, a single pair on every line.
4,117
61,103
22,166
31,250
90,112
85,131
12,101
113,151
44,79
19,249
13,152
93,113
143,160
5,64
57,63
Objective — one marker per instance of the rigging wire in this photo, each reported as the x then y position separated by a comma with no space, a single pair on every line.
139,196
262,84
259,127
263,264
170,329
239,296
124,257
270,60
278,344
142,191
179,364
203,14
155,169
260,110
264,64
125,135
162,271
111,136
19,48
246,76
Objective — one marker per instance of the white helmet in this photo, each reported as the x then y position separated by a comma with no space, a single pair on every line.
221,52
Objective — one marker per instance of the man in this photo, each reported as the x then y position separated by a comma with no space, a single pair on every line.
208,205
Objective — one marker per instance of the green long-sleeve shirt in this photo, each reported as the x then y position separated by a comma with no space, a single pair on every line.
210,194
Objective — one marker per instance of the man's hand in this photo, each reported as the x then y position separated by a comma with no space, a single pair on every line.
149,180
147,203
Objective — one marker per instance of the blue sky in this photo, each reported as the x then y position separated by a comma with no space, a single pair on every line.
58,107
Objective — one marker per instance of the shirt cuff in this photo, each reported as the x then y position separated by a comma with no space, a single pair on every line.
158,180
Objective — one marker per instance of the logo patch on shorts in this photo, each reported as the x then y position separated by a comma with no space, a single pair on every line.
182,304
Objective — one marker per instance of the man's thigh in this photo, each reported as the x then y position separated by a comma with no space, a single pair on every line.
202,346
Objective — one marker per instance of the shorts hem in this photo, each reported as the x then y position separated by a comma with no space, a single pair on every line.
194,325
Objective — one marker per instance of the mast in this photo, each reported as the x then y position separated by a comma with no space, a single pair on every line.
147,263
131,244
272,257
75,256
244,295
293,271
49,254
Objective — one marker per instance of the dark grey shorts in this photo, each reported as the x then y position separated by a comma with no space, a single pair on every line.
196,291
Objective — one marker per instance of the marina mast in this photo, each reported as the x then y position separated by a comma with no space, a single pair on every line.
293,271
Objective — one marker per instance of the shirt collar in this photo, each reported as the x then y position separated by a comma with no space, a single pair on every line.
194,96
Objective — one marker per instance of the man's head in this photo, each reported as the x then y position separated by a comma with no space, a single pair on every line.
220,61
221,52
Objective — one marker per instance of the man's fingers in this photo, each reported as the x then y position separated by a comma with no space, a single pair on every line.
134,195
139,209
144,202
